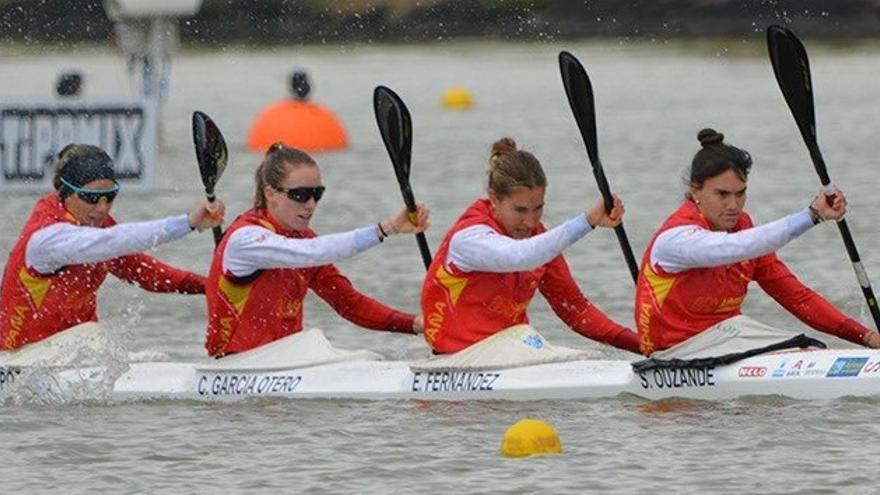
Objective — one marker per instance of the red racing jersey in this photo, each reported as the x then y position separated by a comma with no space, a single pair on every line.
672,307
462,308
35,305
244,313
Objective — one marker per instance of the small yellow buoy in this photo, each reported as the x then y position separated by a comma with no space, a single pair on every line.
530,437
457,99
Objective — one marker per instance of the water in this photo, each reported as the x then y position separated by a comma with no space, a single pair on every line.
651,101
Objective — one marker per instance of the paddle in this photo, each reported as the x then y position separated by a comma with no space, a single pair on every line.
212,156
395,125
792,69
580,97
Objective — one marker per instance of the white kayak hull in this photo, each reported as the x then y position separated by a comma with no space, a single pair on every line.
306,366
819,374
815,374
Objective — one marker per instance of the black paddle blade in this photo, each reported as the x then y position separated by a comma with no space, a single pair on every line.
212,156
211,150
792,69
579,91
395,125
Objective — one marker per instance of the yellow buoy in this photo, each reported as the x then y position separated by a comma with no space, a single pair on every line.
530,437
457,99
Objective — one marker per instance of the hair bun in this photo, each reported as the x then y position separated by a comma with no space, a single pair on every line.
709,136
276,146
502,146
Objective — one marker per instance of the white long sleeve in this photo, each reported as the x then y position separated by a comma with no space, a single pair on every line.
480,248
691,246
255,248
63,244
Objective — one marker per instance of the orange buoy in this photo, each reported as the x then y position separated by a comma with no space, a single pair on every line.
297,123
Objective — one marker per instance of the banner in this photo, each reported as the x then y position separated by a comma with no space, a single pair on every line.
31,135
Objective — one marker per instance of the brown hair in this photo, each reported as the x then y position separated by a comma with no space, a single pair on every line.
279,159
510,168
715,158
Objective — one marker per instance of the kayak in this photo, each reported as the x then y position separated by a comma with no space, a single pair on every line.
306,366
821,374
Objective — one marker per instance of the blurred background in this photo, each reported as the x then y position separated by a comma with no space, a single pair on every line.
470,72
328,21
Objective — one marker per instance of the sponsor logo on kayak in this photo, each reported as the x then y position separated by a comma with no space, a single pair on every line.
752,371
453,381
234,384
796,369
678,378
534,341
779,371
800,367
846,366
8,376
871,368
813,370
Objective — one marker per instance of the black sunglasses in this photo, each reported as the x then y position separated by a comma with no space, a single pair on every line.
303,194
93,196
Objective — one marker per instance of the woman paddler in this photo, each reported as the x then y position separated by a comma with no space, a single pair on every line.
70,242
269,258
498,254
697,268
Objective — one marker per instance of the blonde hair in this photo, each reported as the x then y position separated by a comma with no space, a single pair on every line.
277,162
510,168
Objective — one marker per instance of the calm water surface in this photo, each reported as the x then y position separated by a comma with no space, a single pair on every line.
651,102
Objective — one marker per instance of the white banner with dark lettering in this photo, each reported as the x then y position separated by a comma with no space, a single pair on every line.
32,134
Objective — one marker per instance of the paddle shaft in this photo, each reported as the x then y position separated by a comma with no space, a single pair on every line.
218,231
410,201
622,239
423,245
848,242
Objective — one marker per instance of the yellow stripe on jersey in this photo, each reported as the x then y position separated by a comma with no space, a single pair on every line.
237,295
454,285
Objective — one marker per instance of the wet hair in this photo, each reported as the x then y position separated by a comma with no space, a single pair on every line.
715,158
79,164
277,162
510,168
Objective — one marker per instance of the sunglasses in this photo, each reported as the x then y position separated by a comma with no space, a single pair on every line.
93,196
303,194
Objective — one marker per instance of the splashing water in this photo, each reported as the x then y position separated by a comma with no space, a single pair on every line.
82,368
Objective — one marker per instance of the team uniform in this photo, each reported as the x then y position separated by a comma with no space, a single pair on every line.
481,282
54,271
692,278
261,273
